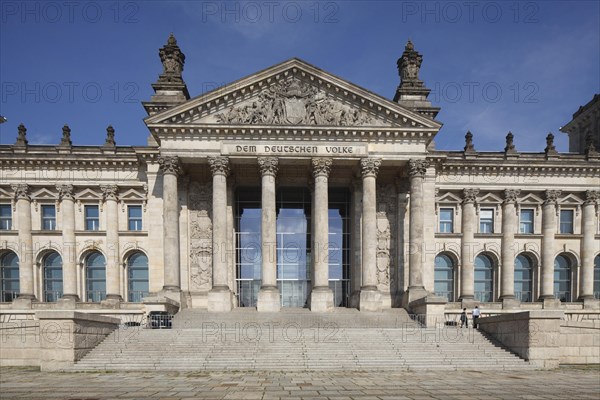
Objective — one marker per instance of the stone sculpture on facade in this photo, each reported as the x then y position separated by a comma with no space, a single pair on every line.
173,60
200,205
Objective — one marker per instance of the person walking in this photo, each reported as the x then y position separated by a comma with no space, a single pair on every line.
476,314
463,318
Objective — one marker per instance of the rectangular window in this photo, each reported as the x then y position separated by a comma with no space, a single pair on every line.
446,220
566,221
526,223
92,218
5,217
486,220
134,217
48,217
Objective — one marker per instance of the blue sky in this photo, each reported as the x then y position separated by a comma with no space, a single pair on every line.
493,66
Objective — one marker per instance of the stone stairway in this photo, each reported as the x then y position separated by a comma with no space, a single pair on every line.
301,340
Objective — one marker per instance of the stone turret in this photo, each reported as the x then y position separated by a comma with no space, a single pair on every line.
411,92
584,128
170,89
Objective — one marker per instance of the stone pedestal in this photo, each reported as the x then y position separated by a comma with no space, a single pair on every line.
413,294
220,300
268,300
590,303
510,304
550,303
321,300
370,300
430,310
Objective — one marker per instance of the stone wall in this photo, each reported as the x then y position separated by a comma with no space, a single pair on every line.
580,342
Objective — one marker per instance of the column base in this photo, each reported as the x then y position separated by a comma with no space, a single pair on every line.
268,299
220,299
510,303
550,303
370,300
591,303
112,301
468,302
23,302
67,302
321,299
412,294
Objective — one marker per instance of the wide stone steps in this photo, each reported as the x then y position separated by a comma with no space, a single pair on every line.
348,349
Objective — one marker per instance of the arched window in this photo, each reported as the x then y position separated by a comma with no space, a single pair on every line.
137,273
9,277
95,277
523,278
53,277
597,277
444,276
562,278
484,278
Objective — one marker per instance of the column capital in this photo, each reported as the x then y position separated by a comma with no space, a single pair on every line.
321,166
219,165
510,195
268,165
109,192
370,166
169,165
21,191
65,191
417,168
470,195
552,196
592,196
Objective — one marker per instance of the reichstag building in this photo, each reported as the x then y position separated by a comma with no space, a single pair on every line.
295,188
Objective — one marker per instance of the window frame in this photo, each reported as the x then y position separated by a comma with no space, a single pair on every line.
9,225
51,220
444,222
531,223
571,223
87,219
481,220
138,221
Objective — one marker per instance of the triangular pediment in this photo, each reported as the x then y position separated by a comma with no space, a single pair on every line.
43,193
132,194
5,194
449,198
490,198
88,194
531,198
571,199
292,94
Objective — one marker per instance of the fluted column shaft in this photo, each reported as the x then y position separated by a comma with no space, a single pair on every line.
509,221
469,219
113,272
25,242
370,168
588,244
171,169
268,169
69,256
220,171
417,171
548,232
321,168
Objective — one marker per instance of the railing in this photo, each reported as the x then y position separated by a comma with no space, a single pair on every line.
136,296
51,296
564,296
523,297
7,296
95,296
484,296
447,295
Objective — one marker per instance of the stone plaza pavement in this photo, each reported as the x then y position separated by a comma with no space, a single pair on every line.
563,383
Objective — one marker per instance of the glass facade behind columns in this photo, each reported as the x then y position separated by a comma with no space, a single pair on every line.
293,208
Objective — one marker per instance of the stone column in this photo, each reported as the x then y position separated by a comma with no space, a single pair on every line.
370,297
588,245
509,227
268,296
321,297
548,232
69,254
26,292
171,169
416,257
469,221
220,296
113,268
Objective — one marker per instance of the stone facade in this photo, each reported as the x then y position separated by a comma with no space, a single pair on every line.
289,126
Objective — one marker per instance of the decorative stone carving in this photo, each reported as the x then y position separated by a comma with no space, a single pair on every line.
510,147
590,148
552,196
470,195
510,195
21,136
550,148
268,165
169,165
110,137
66,137
321,166
417,168
219,165
592,196
65,191
409,65
199,207
109,192
173,60
370,166
294,102
386,241
469,147
384,258
21,191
